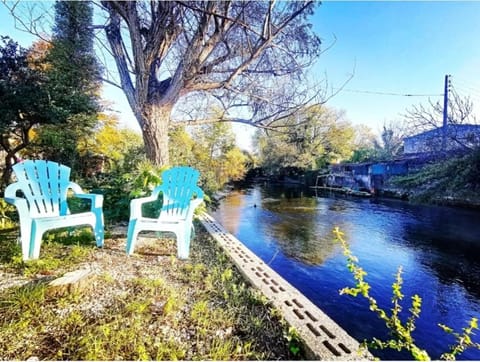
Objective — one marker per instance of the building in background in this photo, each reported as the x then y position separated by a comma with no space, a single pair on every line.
457,137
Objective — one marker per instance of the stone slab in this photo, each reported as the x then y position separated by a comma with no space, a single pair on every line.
323,338
71,282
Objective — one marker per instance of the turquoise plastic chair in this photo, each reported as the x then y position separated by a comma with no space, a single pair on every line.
181,196
42,204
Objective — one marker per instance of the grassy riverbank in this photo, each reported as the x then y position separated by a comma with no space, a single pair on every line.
455,182
149,306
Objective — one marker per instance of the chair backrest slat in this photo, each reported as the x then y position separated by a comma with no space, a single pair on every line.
44,186
178,187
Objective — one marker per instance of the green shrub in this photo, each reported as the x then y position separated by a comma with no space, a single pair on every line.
455,178
400,331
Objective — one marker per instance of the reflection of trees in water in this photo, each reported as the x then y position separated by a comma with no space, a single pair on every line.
231,208
236,198
280,203
338,207
298,232
284,192
299,241
450,251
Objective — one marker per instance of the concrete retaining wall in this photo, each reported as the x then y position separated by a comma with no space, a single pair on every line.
323,338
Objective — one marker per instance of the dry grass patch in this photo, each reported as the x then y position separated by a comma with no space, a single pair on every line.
149,306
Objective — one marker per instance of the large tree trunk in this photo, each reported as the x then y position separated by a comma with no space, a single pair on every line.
165,50
7,172
155,123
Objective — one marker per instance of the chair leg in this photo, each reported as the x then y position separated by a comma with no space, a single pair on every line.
192,230
35,241
25,236
99,230
189,233
131,236
183,243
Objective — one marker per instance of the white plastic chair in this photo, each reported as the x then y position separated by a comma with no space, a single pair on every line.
180,197
43,204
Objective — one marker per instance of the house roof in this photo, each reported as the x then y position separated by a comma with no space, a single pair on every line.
457,127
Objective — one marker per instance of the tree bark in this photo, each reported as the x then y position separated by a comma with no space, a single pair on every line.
170,49
7,172
155,121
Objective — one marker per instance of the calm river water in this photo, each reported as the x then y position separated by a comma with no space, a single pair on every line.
438,247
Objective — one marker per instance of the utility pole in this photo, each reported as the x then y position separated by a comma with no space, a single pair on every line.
445,112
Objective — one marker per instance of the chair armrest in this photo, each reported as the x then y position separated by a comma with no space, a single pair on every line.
136,205
75,187
195,203
11,190
156,191
20,203
96,199
199,193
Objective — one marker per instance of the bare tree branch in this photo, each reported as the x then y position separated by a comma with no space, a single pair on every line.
247,58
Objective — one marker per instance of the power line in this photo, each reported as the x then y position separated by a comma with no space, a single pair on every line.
466,92
472,98
389,93
469,89
468,83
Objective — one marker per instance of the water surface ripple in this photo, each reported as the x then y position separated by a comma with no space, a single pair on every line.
438,248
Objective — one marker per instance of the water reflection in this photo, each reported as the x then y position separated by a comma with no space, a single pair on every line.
454,260
439,249
297,233
233,212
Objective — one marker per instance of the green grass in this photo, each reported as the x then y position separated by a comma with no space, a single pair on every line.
150,306
60,251
452,181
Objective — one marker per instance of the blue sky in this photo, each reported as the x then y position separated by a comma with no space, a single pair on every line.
392,47
397,47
